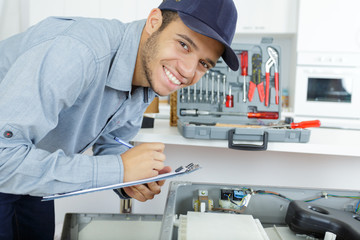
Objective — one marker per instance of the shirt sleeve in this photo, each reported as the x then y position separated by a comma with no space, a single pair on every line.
42,82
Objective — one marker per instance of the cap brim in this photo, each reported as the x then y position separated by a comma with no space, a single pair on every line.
198,26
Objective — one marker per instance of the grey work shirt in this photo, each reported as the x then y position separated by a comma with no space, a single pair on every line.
65,85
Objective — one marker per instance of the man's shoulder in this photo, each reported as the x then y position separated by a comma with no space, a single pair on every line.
97,32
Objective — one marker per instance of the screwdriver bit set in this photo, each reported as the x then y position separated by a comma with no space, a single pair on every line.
238,105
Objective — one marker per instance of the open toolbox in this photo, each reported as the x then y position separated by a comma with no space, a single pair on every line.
243,105
281,212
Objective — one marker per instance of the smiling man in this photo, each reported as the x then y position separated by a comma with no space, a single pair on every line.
69,84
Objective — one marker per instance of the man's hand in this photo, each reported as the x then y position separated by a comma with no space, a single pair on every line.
147,191
144,161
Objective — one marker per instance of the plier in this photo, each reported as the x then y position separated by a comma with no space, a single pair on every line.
273,60
256,78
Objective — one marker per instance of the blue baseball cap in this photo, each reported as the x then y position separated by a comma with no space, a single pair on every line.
212,18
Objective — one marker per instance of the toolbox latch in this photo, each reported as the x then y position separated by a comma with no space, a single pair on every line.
248,147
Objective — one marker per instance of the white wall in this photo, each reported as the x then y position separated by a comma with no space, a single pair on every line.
12,17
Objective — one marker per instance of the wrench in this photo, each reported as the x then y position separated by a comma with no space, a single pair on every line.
275,57
268,65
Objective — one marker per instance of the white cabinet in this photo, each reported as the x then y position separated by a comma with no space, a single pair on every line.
266,16
127,11
123,10
329,26
40,9
88,8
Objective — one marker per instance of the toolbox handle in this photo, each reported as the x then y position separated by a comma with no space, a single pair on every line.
248,147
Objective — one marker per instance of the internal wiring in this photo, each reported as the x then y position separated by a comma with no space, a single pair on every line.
322,196
272,193
357,207
339,196
313,199
244,201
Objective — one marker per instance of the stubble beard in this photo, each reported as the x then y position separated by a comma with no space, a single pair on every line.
149,51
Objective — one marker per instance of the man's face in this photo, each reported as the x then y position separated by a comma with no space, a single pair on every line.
178,57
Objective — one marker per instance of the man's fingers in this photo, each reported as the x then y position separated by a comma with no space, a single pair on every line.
161,183
159,156
157,146
134,193
158,166
154,187
166,169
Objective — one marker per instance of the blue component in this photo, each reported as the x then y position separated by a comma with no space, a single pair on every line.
238,195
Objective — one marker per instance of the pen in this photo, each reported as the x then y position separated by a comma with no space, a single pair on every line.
123,142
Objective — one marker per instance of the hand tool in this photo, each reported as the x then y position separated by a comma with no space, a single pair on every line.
268,65
303,124
207,86
212,86
275,57
229,99
195,92
201,89
260,115
218,87
244,70
256,78
188,93
224,88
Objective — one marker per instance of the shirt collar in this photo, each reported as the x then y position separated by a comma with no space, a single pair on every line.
122,70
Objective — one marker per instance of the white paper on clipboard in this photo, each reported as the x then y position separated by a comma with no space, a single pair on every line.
179,171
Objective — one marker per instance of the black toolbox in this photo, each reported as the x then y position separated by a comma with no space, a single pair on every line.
241,105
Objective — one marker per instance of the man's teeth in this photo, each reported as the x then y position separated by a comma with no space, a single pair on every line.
172,78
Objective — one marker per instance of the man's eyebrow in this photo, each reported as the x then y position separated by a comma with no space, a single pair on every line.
211,62
189,40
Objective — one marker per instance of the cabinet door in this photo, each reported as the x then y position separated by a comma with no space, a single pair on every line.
266,16
329,26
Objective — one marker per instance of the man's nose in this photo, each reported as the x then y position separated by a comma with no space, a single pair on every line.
188,67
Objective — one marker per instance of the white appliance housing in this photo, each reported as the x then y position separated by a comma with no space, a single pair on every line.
328,86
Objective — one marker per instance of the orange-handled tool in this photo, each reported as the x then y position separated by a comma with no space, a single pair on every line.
303,124
263,115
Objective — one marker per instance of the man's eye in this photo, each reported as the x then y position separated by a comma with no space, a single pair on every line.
205,65
184,46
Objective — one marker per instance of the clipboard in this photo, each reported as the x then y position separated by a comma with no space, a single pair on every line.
178,172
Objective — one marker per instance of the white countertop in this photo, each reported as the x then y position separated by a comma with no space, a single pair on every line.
322,140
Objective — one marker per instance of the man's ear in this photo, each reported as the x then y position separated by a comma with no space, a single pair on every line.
153,21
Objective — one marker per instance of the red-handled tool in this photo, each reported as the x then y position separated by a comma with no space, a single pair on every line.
255,81
303,124
244,70
268,65
229,99
263,115
275,57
